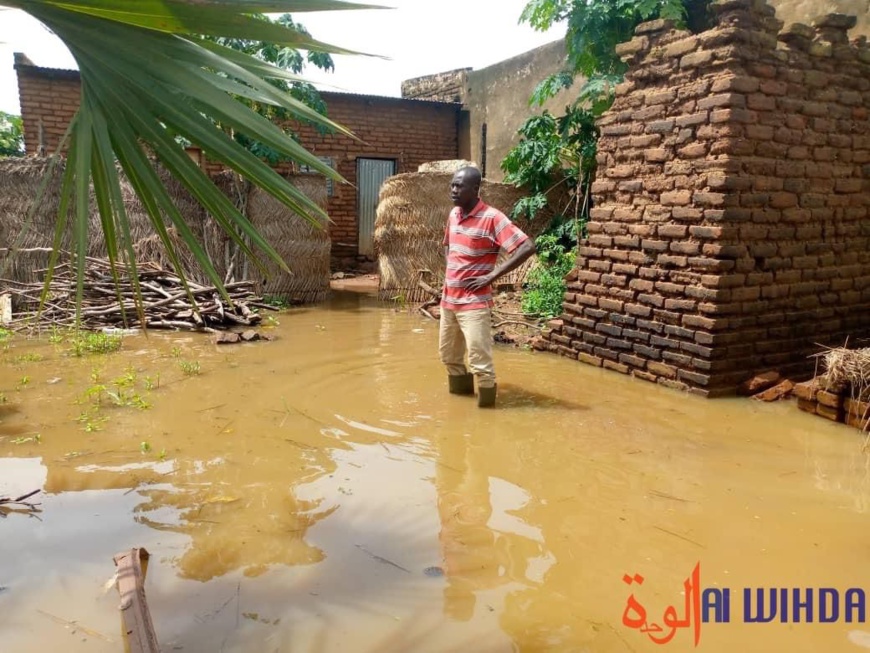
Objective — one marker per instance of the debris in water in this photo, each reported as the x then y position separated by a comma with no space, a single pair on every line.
138,629
434,572
380,559
28,508
75,625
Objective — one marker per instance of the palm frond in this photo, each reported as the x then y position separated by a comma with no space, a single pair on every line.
148,76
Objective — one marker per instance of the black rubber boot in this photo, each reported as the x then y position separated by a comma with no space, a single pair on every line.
461,385
486,397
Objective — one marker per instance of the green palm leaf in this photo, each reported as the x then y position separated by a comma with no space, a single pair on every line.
147,75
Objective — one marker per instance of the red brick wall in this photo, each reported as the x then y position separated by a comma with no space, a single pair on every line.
409,131
49,99
730,233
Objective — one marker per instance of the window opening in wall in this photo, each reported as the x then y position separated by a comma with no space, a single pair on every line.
308,170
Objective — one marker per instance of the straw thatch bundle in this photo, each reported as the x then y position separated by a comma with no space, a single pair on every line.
20,179
847,368
303,246
409,231
451,166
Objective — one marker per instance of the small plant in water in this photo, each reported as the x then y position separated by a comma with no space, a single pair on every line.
94,343
5,335
57,336
144,446
37,438
190,368
3,398
91,420
32,357
401,300
152,382
175,352
23,382
275,301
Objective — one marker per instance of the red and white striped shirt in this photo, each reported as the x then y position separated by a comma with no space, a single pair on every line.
475,242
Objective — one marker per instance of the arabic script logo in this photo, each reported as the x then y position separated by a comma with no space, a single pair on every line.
796,605
635,615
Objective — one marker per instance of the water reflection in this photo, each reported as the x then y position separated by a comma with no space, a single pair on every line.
480,550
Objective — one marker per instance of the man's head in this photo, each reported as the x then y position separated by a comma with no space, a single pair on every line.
465,188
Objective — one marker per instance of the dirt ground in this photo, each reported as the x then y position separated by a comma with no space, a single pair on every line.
510,326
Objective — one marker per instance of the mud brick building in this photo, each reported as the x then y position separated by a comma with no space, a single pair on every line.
730,232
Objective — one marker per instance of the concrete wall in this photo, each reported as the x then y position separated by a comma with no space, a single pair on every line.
496,97
409,131
730,232
803,11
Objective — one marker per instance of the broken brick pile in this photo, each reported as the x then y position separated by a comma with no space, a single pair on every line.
730,230
834,402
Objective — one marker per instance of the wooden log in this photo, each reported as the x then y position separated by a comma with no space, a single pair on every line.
429,289
138,629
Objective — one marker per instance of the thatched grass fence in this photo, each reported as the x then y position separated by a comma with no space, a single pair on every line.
409,230
303,247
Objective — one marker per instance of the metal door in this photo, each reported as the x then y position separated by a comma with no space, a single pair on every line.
370,175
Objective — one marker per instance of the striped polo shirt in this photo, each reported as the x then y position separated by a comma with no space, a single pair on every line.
475,242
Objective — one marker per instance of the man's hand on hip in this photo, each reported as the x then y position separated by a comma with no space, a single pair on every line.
479,282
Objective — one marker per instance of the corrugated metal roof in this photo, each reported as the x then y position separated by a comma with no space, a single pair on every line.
66,73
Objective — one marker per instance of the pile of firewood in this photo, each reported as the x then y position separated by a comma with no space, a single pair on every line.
108,302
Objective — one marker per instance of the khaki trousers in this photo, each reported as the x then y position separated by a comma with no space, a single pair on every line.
469,332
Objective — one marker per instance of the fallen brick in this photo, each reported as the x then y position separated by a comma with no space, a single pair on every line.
777,392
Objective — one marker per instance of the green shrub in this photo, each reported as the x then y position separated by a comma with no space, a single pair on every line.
545,285
94,343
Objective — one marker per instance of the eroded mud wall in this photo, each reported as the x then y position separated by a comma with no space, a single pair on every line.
730,232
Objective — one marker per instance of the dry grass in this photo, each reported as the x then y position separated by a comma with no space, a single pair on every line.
409,231
848,367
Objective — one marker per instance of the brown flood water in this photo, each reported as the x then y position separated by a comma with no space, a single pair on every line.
296,494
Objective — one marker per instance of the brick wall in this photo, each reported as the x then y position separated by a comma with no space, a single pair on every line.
730,233
49,99
409,131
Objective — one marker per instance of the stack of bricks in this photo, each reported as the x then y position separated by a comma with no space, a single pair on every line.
834,403
730,232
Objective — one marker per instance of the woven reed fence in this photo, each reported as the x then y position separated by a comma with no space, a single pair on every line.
304,248
409,231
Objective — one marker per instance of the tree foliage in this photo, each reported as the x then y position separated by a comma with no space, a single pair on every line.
11,135
291,60
554,150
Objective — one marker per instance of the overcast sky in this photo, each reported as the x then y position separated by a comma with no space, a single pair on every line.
420,37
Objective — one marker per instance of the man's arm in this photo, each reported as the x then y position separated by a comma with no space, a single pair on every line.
523,252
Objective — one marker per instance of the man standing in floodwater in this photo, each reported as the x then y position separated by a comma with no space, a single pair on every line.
475,234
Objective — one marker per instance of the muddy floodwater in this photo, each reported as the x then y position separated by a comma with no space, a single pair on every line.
322,492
